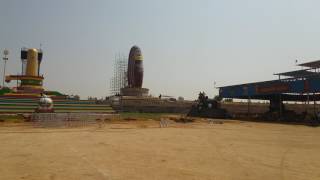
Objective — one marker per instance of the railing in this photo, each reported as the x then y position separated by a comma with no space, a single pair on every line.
70,119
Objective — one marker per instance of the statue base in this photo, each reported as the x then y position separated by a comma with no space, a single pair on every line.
127,91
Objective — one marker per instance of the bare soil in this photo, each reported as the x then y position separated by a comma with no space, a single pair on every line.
141,150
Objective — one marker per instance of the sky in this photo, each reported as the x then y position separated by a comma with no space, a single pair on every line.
187,44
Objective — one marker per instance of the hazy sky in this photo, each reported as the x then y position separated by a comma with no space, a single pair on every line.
186,44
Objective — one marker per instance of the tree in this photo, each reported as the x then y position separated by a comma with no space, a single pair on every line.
217,98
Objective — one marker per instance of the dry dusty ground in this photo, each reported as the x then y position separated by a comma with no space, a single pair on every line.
141,150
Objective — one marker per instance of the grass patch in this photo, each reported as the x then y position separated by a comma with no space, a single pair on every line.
15,118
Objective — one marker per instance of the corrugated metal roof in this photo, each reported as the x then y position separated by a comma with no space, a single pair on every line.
312,64
298,73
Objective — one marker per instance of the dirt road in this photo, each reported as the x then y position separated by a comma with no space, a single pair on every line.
141,150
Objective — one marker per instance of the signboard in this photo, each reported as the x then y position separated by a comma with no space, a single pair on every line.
272,88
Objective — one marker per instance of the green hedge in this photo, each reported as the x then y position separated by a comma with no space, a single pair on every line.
5,90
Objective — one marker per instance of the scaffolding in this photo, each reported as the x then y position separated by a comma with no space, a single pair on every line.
119,79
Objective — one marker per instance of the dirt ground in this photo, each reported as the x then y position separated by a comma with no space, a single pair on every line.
141,150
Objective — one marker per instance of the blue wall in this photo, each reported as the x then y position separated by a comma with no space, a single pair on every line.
310,85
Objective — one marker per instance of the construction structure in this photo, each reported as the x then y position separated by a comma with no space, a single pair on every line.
30,79
132,97
119,79
25,97
293,86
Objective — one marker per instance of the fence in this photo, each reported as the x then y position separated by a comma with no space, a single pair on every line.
70,119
